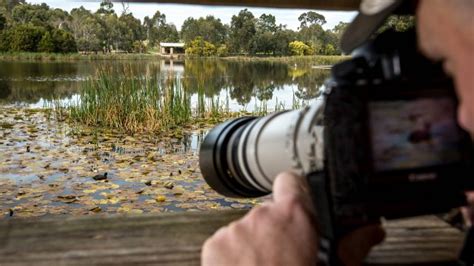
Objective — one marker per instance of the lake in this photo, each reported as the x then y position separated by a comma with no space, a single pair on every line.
47,165
245,85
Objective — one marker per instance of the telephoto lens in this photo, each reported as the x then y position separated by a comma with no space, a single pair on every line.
242,157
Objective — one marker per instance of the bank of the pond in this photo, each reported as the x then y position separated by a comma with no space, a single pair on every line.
47,167
326,60
26,56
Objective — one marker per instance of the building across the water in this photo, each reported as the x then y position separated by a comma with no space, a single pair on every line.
171,48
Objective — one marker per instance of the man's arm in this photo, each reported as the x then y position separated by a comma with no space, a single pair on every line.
282,232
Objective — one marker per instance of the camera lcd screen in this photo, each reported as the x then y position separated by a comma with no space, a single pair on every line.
415,133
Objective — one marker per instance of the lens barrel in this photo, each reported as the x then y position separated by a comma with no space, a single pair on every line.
242,157
217,163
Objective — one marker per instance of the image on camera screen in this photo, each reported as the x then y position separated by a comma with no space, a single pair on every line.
416,133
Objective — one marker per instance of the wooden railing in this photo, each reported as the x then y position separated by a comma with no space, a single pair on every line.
176,239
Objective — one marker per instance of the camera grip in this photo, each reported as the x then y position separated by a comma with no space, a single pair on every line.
330,232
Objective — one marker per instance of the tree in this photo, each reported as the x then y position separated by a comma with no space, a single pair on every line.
46,45
340,28
398,23
106,8
37,15
87,29
311,30
25,38
282,38
311,18
299,48
3,22
5,41
209,28
200,47
242,31
267,23
157,30
63,41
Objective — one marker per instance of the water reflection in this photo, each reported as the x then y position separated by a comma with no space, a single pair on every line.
244,85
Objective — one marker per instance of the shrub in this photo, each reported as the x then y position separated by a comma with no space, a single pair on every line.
25,38
63,41
300,48
222,50
200,47
46,45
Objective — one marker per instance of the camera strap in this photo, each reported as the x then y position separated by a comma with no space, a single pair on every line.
327,253
467,253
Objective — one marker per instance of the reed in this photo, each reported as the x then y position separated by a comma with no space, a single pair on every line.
30,56
149,103
132,102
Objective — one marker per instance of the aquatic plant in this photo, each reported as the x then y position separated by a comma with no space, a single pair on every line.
132,102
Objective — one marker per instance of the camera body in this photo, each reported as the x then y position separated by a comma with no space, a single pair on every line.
384,142
393,147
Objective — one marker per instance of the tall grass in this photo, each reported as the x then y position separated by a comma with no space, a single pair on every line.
309,60
30,56
132,103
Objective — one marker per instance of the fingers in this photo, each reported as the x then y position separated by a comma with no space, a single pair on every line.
468,211
354,247
287,185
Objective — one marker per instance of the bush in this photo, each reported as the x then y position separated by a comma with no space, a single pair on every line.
25,38
63,41
139,47
200,47
222,50
46,45
300,48
4,41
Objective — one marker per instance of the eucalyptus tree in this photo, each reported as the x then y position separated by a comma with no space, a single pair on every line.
210,29
242,31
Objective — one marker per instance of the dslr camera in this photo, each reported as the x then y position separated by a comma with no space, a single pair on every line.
382,142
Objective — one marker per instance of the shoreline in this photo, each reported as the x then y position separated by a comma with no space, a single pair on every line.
25,56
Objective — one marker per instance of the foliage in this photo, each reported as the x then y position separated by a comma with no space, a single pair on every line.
300,48
157,30
222,50
25,38
242,31
46,29
200,47
3,22
311,18
209,28
398,23
46,45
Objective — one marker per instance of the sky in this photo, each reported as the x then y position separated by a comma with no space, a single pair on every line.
176,14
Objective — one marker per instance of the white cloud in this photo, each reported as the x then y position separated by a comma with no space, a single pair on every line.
176,14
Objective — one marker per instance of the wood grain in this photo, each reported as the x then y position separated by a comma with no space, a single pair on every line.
176,239
310,4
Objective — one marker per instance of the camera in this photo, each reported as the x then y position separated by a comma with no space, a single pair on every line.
382,142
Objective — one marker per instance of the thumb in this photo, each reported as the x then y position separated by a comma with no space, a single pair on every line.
354,247
287,185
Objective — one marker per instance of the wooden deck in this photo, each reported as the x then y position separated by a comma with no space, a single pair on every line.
176,238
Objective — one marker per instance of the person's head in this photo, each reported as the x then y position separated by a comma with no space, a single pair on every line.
446,32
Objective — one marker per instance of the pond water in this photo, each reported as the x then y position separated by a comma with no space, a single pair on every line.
245,85
47,166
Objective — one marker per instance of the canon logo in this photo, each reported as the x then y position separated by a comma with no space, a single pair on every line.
422,177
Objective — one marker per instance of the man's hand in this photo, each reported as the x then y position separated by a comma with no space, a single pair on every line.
282,232
468,212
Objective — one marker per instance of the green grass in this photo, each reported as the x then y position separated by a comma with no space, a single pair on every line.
137,103
72,57
312,59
